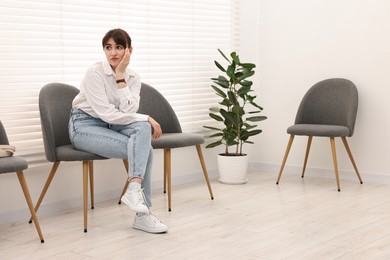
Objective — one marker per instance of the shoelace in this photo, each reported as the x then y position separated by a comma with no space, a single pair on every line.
153,218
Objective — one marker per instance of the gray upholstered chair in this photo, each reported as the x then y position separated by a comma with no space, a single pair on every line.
55,103
328,109
154,104
17,164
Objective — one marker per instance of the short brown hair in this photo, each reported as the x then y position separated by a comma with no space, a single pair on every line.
120,37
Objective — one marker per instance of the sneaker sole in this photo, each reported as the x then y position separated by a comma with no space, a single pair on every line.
150,230
146,211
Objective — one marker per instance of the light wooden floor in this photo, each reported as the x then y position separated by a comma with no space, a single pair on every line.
299,219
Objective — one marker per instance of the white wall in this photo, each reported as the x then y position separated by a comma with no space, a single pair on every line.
302,42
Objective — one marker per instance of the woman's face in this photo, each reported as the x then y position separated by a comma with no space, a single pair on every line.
114,53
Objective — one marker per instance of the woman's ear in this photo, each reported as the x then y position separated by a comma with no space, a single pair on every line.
130,50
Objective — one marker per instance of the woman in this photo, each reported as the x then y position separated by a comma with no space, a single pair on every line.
104,121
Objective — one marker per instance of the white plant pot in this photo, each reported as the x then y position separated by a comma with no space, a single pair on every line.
233,169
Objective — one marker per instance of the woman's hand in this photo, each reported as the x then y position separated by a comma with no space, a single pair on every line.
121,68
156,128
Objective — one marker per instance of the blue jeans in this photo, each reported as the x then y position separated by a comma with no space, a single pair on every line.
130,142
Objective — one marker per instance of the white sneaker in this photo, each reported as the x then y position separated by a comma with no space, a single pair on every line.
149,223
135,199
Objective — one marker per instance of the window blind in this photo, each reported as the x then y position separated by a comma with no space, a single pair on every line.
175,43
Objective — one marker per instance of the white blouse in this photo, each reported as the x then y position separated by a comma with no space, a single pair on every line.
100,97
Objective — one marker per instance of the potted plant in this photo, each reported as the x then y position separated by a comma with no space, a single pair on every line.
237,112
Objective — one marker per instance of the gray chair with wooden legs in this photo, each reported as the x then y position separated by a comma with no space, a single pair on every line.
154,104
55,104
328,109
17,164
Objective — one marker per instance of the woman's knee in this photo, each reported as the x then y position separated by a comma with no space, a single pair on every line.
144,126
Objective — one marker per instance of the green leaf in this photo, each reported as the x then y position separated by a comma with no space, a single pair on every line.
250,98
243,90
230,72
216,117
219,66
250,133
238,74
246,75
248,66
212,128
219,92
238,110
222,84
214,144
246,83
256,118
215,109
229,116
222,81
231,142
224,55
232,98
248,126
235,57
216,135
226,102
255,105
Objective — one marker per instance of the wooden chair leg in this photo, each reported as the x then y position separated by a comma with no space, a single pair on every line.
85,194
336,171
290,141
306,155
126,164
26,192
206,176
167,173
351,158
91,183
46,186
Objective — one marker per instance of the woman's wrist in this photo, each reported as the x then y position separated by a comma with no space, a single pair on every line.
120,80
122,84
120,76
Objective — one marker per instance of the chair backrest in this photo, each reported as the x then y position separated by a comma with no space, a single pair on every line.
55,104
330,102
153,103
3,135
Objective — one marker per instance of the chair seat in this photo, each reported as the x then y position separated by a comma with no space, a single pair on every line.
12,164
68,153
318,130
175,140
